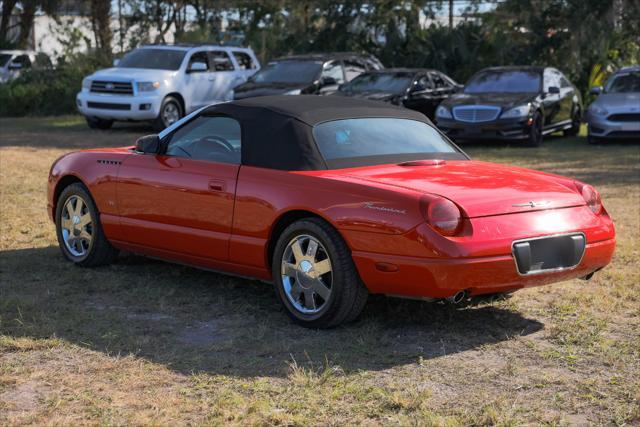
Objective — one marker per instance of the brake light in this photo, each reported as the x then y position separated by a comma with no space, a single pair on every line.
592,198
444,216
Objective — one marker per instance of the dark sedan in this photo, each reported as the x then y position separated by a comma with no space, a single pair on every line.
419,89
512,103
306,74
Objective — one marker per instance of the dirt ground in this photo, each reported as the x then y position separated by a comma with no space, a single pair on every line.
147,342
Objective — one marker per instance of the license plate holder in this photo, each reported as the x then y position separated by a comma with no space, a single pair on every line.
549,253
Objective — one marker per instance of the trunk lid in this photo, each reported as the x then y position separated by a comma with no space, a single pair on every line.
480,188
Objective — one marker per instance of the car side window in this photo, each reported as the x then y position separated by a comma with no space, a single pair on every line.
333,69
564,82
199,57
551,79
352,69
215,139
22,60
423,83
244,60
220,60
438,81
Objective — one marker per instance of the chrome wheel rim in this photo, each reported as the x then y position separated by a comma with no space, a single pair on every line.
170,114
77,226
307,275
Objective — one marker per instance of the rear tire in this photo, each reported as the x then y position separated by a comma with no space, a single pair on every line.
170,112
535,133
95,123
79,230
299,274
576,120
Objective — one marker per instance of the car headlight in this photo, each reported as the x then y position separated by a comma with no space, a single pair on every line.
148,86
293,92
443,112
86,83
517,112
597,110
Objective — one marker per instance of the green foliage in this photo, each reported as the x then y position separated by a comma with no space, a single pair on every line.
47,91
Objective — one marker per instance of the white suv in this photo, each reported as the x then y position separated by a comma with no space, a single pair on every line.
163,83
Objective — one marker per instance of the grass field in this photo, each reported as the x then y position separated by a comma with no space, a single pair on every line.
146,342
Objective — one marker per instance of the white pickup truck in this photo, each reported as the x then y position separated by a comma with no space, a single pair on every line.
163,83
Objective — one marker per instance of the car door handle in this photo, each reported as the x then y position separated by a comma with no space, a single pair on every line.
216,185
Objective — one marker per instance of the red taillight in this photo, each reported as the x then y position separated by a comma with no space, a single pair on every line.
444,216
592,198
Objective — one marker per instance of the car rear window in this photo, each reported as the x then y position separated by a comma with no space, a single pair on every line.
370,141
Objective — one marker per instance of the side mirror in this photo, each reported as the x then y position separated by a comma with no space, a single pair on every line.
596,90
116,62
15,66
554,89
148,144
328,81
197,67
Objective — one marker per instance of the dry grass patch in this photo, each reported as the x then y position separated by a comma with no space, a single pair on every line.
146,342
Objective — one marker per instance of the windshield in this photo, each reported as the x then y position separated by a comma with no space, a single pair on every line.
154,59
370,141
624,82
379,82
504,81
4,58
289,72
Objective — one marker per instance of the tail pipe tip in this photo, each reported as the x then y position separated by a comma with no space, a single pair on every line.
457,298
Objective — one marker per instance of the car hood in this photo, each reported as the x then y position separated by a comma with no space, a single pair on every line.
499,99
135,74
619,101
251,89
480,188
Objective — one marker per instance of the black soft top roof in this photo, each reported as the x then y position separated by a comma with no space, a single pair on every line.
277,130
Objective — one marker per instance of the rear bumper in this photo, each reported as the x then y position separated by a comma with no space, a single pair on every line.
118,107
500,129
437,278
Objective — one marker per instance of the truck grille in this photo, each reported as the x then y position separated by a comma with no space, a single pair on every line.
624,117
476,113
120,88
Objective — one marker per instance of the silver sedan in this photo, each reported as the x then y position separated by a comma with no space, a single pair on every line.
615,114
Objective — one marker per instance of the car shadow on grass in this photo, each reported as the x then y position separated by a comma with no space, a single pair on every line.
197,321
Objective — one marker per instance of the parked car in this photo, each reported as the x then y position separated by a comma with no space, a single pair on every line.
616,112
162,83
306,74
419,89
13,62
330,199
512,103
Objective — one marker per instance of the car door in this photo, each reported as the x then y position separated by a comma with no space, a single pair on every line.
224,76
421,96
197,84
246,65
552,100
182,200
568,96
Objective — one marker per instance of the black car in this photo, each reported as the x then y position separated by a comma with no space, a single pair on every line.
306,74
512,103
419,89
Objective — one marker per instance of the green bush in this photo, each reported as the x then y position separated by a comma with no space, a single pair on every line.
47,91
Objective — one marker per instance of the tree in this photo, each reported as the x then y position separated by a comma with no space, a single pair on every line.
101,25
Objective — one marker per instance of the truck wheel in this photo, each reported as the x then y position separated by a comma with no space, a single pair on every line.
170,112
95,123
315,277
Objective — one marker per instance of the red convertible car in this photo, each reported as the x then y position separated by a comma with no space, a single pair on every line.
331,199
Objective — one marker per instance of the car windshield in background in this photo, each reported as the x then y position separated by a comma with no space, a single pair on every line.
627,82
154,59
288,72
4,58
504,81
379,82
370,141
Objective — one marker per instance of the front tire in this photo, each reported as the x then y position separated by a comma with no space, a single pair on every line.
315,277
170,112
79,230
576,120
535,133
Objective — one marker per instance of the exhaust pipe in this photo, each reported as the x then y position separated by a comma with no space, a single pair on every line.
457,298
